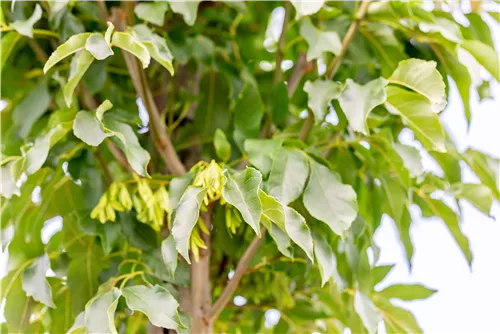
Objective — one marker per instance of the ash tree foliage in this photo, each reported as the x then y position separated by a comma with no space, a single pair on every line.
160,158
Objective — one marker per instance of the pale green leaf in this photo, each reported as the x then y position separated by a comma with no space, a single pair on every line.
156,303
260,152
280,238
25,27
289,221
89,128
78,326
325,257
178,186
109,33
288,175
242,191
305,8
29,110
153,11
74,44
222,145
367,311
185,217
447,28
422,77
407,292
411,159
79,66
100,313
417,113
357,101
329,200
188,10
9,41
400,320
34,282
169,254
320,93
8,185
486,168
236,4
156,45
319,41
98,47
478,195
137,156
485,55
130,44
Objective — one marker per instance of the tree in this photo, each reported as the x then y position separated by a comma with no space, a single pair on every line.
195,151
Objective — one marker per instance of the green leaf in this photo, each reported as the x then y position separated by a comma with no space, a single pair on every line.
367,311
319,41
411,159
9,41
222,145
242,191
478,195
329,200
90,129
156,303
16,305
422,77
74,44
357,101
305,8
407,292
98,46
153,12
260,153
279,104
327,262
400,320
130,44
417,112
188,10
248,112
169,254
379,273
34,282
450,219
137,156
486,168
178,186
289,220
25,27
100,313
79,66
485,55
478,30
288,175
156,45
28,111
185,217
459,73
280,237
320,93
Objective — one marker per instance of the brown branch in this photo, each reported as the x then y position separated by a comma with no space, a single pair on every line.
351,32
298,72
241,269
335,63
161,139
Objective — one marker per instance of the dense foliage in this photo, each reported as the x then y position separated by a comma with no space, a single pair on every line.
159,158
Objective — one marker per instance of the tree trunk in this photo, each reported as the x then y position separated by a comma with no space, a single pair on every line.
201,296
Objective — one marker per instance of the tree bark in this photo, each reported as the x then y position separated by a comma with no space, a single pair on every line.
201,296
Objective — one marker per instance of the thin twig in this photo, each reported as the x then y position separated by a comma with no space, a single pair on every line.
241,268
335,63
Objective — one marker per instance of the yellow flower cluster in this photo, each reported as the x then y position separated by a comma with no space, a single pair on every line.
196,242
117,198
210,177
150,205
